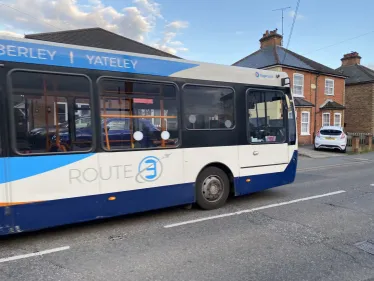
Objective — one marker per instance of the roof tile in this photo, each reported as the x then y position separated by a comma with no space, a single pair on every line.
98,38
273,55
357,74
300,102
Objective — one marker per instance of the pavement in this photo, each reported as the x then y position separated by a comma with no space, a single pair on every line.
308,151
308,230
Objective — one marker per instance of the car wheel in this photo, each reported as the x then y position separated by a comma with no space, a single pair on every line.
212,188
315,148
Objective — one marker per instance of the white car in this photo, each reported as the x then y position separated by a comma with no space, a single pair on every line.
331,137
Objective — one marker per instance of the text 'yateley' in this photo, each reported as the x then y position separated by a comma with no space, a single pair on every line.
112,61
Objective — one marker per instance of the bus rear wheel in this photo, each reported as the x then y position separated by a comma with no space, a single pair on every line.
212,188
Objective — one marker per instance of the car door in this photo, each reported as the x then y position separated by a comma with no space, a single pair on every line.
118,134
266,132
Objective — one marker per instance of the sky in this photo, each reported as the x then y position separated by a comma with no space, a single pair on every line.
218,31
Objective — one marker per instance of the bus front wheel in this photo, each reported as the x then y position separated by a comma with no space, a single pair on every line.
212,188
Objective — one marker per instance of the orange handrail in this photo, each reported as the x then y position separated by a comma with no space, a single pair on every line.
104,116
162,121
105,128
46,115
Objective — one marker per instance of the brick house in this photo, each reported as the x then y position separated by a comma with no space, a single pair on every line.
359,114
318,90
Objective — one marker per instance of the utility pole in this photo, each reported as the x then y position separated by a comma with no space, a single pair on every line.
282,9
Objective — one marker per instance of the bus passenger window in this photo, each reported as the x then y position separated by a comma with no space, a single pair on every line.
138,115
266,116
208,108
41,105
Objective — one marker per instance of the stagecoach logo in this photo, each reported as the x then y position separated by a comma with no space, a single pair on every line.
258,74
150,169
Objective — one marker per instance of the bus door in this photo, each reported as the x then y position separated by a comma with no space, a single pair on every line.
267,149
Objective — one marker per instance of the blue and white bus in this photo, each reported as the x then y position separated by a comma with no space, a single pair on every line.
89,133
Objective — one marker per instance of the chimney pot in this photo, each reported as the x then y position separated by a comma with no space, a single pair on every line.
271,38
351,58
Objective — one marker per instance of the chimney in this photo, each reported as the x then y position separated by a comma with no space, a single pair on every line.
351,59
271,38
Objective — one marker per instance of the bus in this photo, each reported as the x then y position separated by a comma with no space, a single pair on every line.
88,133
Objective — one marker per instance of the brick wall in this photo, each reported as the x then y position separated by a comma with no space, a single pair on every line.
310,83
360,108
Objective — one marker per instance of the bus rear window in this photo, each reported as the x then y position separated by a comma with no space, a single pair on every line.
330,132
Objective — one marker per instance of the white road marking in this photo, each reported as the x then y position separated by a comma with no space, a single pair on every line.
35,254
361,159
254,209
372,184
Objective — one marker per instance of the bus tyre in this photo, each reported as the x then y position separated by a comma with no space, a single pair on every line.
212,188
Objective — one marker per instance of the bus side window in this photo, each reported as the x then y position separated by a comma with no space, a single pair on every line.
266,116
147,110
208,108
42,123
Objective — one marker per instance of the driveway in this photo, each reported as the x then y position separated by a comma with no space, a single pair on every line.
308,151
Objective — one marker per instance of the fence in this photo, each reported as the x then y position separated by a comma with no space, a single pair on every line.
361,135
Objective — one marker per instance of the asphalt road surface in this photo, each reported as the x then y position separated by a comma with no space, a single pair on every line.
305,231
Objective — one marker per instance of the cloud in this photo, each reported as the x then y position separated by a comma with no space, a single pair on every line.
10,34
176,43
150,7
136,21
177,24
370,65
298,17
168,44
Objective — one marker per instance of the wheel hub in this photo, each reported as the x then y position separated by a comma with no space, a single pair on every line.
212,188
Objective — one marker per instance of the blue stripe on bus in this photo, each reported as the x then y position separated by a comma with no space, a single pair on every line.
41,215
28,52
23,167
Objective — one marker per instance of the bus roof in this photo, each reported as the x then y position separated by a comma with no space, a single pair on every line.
57,54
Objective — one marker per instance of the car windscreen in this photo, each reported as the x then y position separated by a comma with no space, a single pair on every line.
331,132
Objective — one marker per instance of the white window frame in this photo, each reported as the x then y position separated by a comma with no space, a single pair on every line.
323,114
307,133
79,105
66,110
302,86
333,87
340,119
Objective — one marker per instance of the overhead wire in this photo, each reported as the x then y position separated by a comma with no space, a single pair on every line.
292,26
340,42
27,14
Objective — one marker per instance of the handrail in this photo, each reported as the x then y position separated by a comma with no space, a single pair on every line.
135,116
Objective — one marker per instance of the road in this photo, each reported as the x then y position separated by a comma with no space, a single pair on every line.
304,231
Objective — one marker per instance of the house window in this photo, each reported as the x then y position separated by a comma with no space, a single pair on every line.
305,123
62,112
329,87
326,119
338,119
298,84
